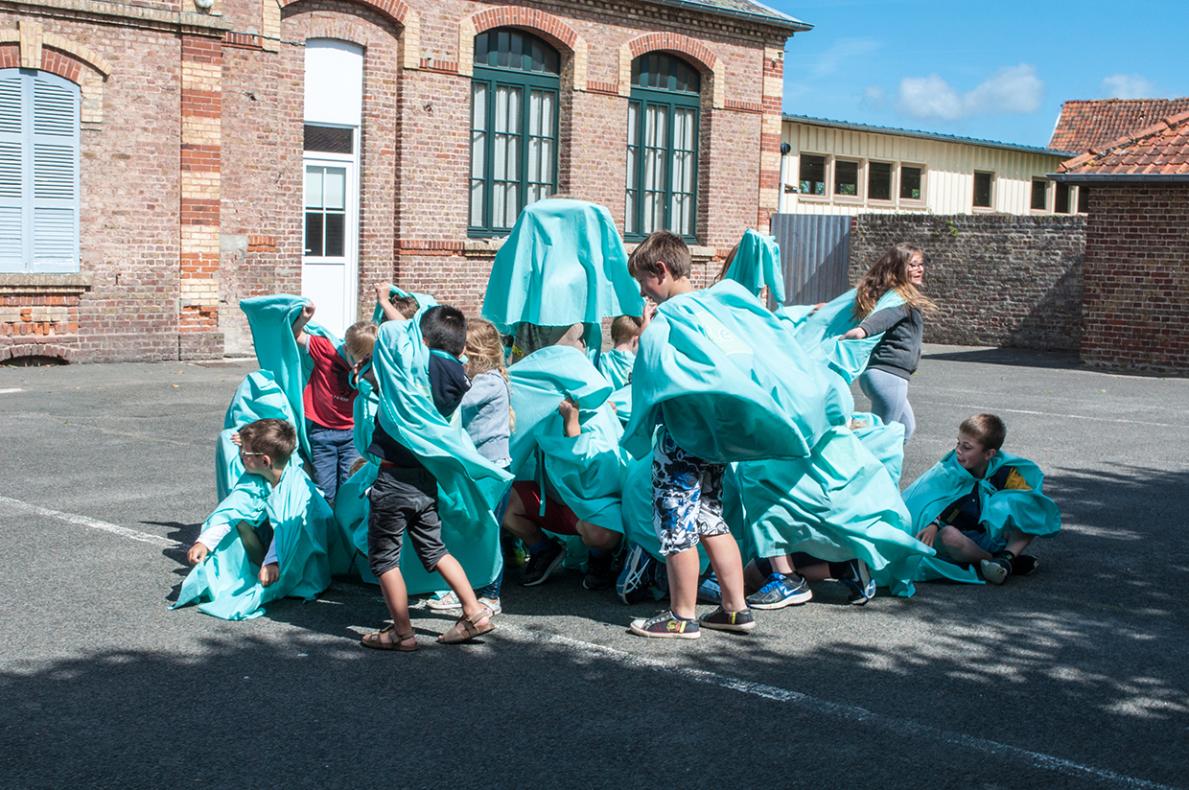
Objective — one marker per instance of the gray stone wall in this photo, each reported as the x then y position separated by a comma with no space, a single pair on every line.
998,280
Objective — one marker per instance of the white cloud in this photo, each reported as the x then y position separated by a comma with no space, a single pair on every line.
1127,86
1015,89
873,97
842,52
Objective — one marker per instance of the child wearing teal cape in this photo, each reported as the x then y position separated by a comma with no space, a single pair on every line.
981,508
425,460
754,263
267,538
563,264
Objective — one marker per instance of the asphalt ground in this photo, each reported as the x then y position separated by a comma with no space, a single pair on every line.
1075,677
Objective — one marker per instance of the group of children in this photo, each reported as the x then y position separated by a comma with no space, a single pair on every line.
712,454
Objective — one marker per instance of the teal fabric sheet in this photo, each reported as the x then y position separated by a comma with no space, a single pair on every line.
586,472
563,264
1030,512
226,584
424,302
469,486
258,397
884,440
621,401
616,365
839,503
729,381
820,332
757,265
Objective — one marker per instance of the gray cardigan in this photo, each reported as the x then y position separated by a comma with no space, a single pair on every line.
485,412
899,350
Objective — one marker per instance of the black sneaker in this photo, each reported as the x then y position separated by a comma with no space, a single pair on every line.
600,572
857,579
722,620
665,625
1024,565
542,564
997,569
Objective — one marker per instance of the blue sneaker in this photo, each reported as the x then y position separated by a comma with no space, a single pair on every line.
781,591
709,591
859,582
636,577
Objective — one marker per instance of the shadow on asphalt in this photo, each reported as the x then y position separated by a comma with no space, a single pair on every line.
1015,357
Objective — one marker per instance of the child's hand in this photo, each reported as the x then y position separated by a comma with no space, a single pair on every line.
197,553
817,307
858,333
571,423
238,442
928,534
307,312
383,290
566,408
269,574
646,319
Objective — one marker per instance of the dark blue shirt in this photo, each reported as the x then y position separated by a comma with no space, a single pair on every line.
448,382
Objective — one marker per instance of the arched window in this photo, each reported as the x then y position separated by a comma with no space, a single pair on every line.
662,177
514,117
39,192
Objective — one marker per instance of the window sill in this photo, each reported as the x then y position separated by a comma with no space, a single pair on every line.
28,282
479,247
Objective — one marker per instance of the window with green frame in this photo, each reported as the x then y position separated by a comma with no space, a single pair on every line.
514,119
662,177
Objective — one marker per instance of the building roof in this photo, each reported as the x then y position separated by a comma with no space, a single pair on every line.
1160,152
944,138
746,10
1088,124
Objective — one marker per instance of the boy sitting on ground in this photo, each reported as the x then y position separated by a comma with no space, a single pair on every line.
980,507
329,399
617,363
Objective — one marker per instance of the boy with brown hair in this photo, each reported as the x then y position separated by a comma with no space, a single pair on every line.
616,364
329,399
966,518
686,490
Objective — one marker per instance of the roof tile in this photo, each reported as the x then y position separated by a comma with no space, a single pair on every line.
1161,149
1090,124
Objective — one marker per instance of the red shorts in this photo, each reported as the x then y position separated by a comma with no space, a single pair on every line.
558,518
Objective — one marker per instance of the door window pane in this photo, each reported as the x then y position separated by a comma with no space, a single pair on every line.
314,234
335,243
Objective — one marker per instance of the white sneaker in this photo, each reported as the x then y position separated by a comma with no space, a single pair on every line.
448,603
493,604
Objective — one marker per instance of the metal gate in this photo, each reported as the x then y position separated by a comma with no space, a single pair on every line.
815,255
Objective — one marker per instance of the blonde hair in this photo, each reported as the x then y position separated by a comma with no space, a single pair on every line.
624,328
890,273
360,339
485,353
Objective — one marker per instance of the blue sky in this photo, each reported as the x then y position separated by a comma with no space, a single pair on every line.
997,69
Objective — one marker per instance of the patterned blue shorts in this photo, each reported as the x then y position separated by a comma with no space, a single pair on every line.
686,497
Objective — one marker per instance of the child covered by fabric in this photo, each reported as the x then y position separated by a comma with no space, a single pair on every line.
404,497
981,507
617,363
329,399
268,537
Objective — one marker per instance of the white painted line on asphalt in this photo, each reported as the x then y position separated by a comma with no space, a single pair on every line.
1050,414
896,726
84,521
10,390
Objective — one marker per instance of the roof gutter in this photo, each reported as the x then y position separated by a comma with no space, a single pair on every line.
923,135
786,23
1119,178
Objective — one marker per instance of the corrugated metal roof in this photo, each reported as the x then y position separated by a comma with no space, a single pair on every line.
743,9
945,138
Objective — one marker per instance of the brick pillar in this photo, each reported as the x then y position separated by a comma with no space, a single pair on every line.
201,150
770,136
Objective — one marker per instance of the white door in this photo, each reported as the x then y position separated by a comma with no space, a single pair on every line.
329,267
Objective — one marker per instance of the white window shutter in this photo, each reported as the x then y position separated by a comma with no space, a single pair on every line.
12,237
55,175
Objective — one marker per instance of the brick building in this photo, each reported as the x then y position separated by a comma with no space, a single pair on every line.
160,160
1136,269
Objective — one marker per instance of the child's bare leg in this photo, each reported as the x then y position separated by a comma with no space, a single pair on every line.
517,522
1017,541
783,564
456,577
818,571
683,582
396,596
960,548
728,566
596,537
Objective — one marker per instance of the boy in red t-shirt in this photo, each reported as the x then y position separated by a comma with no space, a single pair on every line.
329,399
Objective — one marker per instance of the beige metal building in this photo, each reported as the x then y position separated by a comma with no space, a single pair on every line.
834,167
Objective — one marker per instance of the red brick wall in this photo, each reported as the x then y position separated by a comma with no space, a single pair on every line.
1136,278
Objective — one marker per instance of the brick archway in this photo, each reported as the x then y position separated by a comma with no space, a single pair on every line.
29,46
549,27
701,56
396,10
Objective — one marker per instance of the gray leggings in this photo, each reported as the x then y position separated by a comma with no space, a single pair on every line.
888,394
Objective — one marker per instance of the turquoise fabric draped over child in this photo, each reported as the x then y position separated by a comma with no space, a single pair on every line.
469,486
563,264
732,380
271,320
1028,511
226,584
257,397
820,332
616,365
757,265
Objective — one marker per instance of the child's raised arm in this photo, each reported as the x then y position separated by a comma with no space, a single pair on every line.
299,325
383,290
569,415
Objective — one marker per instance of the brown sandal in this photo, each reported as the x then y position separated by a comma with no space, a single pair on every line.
466,629
401,643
